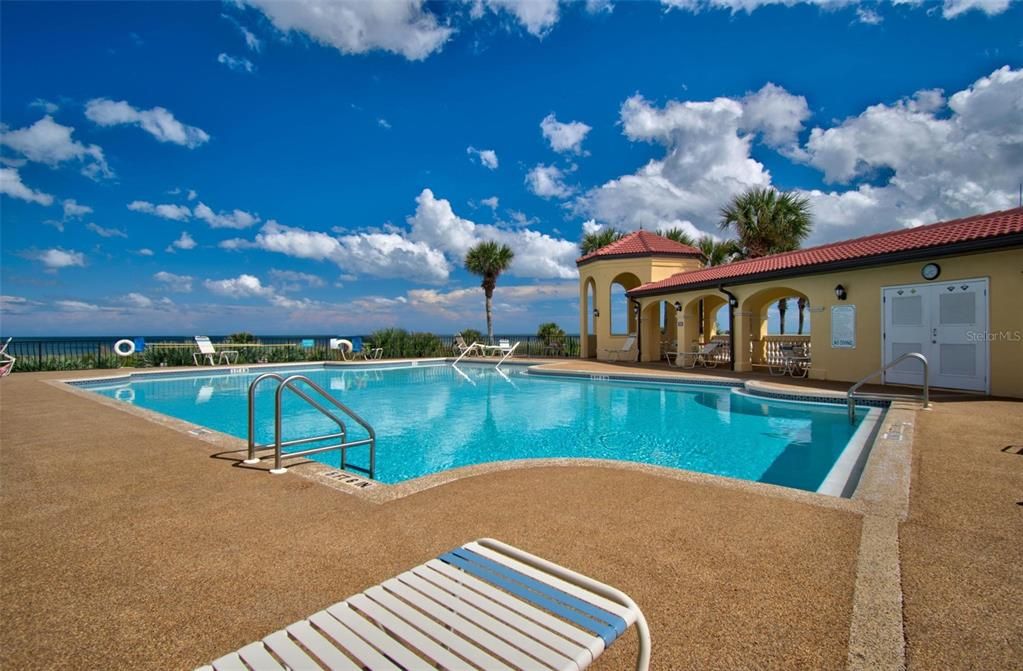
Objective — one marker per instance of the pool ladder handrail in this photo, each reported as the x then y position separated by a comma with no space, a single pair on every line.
925,396
278,445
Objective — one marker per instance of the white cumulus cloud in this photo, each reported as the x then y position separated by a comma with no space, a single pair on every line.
11,185
950,9
236,219
106,232
236,63
184,241
73,210
243,286
536,16
564,137
55,259
537,255
777,115
548,181
487,157
158,121
179,283
166,211
51,143
402,27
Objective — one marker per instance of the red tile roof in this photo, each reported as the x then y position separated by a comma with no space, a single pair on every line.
641,243
930,237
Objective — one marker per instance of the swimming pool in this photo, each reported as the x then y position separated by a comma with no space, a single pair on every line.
433,417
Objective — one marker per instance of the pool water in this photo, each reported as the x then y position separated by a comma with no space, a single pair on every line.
430,418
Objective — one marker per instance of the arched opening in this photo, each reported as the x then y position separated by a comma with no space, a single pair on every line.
779,321
659,329
706,319
588,337
623,318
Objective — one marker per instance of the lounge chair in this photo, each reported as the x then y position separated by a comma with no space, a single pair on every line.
485,605
628,348
461,346
207,352
6,360
704,356
794,362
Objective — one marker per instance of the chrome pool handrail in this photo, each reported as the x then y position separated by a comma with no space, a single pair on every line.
343,446
926,396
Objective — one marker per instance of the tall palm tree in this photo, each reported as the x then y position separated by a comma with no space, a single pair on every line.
679,235
717,252
488,260
801,304
765,222
594,240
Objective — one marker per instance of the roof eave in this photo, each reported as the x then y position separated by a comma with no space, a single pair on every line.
582,261
967,247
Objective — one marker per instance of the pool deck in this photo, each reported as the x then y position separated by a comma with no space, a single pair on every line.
127,544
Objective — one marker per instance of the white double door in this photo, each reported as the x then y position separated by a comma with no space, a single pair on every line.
946,322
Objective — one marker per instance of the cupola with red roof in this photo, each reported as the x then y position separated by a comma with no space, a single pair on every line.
641,243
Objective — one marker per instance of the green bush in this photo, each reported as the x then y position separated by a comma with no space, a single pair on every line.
472,335
241,337
399,343
84,362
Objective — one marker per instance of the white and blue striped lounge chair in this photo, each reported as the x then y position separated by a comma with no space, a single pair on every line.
485,605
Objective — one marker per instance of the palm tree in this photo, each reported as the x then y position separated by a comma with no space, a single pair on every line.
766,221
801,304
549,331
679,236
717,252
489,260
603,237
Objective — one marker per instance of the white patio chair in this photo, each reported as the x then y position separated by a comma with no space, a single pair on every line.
704,356
6,360
485,605
207,352
794,362
628,348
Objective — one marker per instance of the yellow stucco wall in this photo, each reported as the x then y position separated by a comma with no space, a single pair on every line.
602,273
1003,270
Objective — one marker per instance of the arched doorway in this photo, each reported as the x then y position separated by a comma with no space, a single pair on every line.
623,318
588,322
778,319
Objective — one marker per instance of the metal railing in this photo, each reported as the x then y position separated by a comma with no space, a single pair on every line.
35,354
925,396
279,443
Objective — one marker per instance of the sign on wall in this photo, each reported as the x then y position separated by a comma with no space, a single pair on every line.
843,327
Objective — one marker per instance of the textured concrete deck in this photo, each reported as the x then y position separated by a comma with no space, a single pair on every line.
125,545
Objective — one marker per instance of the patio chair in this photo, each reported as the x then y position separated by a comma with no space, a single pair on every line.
207,352
703,356
627,348
484,605
6,360
461,346
554,347
794,362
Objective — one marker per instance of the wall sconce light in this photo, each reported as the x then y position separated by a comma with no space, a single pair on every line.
678,306
840,292
635,308
734,302
596,312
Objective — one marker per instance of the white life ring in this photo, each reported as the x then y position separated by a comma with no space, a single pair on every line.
120,345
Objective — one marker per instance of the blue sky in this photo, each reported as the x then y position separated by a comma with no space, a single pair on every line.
313,167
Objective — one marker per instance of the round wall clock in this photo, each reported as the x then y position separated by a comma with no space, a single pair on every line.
930,271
